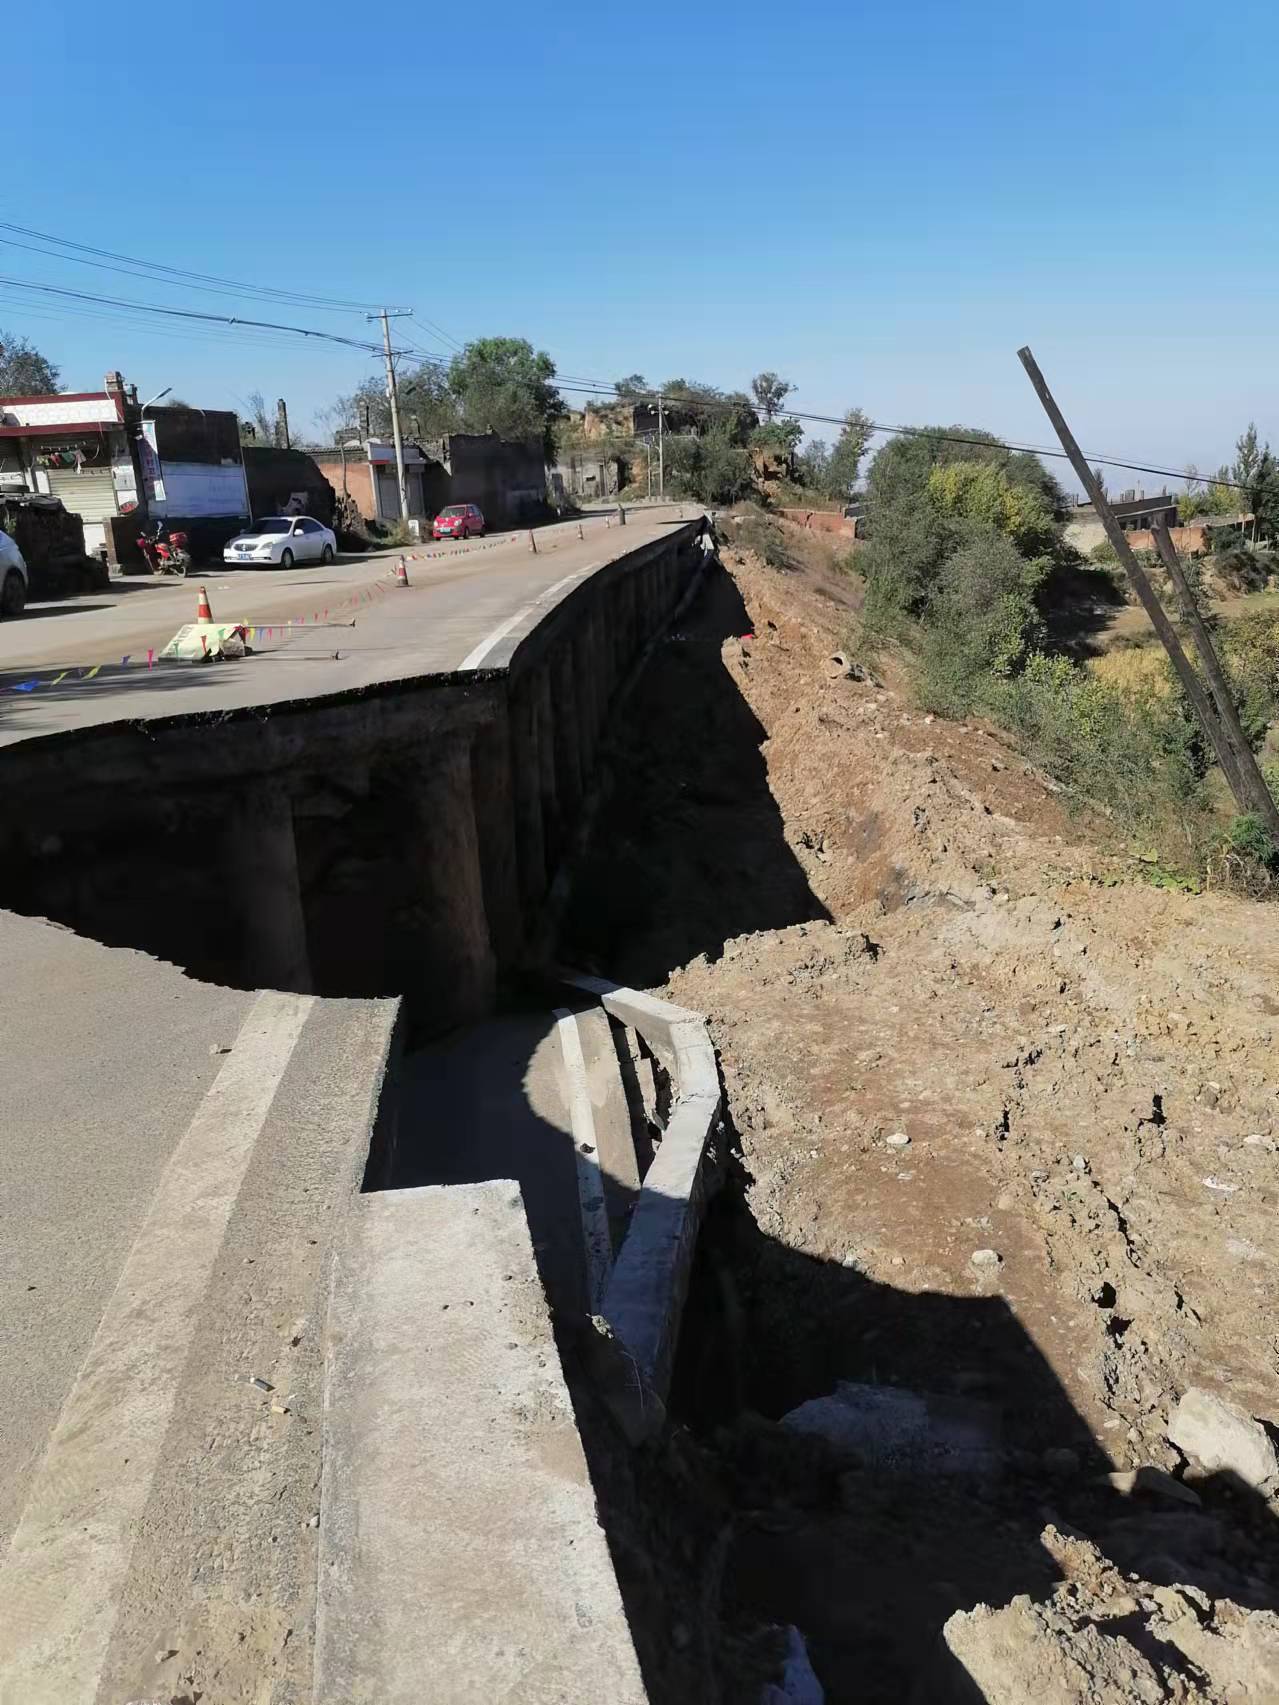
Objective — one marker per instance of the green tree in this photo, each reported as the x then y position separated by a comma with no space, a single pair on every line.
632,387
983,492
770,391
24,372
504,385
1208,496
785,434
1248,454
813,466
709,466
846,457
981,620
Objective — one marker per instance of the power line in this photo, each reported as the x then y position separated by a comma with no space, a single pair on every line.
184,313
159,272
185,275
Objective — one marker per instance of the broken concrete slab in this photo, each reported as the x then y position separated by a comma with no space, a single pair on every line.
909,1432
1221,1435
461,1558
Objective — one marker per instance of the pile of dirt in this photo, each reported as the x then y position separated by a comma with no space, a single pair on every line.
1007,1130
1104,1636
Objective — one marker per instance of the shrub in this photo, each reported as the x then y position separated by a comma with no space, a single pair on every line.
1137,752
1245,859
980,623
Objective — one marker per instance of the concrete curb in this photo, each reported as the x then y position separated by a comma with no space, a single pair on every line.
644,1298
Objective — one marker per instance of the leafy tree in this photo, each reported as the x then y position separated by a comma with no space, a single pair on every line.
846,457
813,466
770,392
1248,454
24,372
981,620
504,385
1100,478
428,407
709,466
1208,496
633,386
784,434
984,492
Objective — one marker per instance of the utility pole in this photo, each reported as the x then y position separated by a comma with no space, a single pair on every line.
1251,778
661,449
1238,767
393,399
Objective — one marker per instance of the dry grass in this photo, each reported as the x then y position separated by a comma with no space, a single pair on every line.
1139,670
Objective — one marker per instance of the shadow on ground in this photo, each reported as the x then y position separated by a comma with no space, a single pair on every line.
731,1525
686,812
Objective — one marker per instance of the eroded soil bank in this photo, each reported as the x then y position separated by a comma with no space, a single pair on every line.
952,1023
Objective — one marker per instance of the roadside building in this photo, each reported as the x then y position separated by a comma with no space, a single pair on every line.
585,476
364,470
287,482
506,477
1134,511
116,464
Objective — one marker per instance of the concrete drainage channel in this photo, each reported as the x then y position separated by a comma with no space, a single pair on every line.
460,1537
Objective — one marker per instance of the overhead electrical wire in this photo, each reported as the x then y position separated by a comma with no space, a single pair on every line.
185,313
159,272
165,273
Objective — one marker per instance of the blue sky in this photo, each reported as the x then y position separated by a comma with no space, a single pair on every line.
881,202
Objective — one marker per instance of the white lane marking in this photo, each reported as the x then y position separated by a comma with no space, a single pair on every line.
70,1554
473,659
590,1180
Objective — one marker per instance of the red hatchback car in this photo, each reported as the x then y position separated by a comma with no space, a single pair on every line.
458,521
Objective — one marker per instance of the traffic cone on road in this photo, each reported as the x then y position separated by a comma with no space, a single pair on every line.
203,613
401,573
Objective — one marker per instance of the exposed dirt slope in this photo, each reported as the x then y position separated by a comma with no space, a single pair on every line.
897,932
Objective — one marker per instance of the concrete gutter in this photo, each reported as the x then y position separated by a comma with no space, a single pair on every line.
644,1298
461,1556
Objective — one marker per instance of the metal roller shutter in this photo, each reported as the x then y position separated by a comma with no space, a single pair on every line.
90,494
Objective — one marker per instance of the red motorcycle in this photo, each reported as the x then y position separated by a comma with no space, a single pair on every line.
165,550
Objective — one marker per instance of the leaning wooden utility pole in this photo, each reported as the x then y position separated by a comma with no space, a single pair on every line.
1250,776
1213,726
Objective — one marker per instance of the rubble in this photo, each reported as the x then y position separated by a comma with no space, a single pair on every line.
1102,1638
1221,1435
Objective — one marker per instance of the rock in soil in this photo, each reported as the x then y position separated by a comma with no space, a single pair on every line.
1221,1435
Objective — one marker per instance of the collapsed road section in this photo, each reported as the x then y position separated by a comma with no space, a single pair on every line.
395,835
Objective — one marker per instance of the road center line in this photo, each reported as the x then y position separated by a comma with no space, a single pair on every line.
69,1556
590,1178
473,659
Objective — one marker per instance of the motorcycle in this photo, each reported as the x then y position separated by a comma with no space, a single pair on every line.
165,550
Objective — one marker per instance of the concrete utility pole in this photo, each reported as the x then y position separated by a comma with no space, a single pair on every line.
393,399
661,449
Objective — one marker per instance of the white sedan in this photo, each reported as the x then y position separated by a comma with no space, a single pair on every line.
283,539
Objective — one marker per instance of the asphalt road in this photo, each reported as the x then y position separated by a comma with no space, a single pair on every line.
317,630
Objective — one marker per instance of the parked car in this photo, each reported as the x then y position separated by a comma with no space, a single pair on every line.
283,539
458,521
13,578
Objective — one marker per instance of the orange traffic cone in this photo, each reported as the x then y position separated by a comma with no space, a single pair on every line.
401,573
202,611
